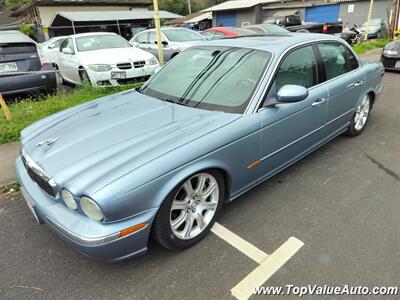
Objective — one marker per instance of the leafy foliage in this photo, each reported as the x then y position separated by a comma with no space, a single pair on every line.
369,45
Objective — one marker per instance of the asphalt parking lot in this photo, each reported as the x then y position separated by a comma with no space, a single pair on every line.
342,202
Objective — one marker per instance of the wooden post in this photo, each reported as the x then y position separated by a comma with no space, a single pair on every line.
158,33
4,106
369,19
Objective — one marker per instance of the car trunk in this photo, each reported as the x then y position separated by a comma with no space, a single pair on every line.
19,57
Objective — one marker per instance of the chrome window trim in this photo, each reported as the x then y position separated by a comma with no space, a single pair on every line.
281,57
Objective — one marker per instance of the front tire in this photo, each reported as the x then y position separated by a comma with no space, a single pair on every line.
360,117
85,80
189,211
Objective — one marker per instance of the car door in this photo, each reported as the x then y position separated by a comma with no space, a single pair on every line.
141,40
167,50
290,130
54,50
344,81
69,63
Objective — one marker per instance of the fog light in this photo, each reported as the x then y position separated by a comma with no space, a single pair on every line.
69,199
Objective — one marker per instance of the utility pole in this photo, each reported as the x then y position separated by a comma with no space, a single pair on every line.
158,33
369,19
189,7
394,18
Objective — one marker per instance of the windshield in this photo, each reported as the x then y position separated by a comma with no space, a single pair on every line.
274,29
240,31
222,79
100,42
182,35
373,22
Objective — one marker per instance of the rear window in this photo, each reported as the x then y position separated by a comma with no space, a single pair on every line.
17,48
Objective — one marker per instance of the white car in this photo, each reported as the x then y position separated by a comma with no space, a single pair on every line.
103,59
50,49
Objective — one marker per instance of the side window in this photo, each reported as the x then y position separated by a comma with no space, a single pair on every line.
298,68
63,45
141,38
152,37
334,59
352,62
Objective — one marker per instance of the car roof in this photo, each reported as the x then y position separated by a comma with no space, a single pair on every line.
14,36
271,43
92,33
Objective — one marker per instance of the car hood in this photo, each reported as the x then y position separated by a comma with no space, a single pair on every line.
371,28
93,144
114,56
394,46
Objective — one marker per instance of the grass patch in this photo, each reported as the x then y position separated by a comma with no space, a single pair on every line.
26,112
369,45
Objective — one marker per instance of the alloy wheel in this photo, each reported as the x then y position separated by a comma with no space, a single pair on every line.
194,206
362,113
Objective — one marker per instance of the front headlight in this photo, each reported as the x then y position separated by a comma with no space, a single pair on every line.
390,52
100,68
153,61
91,209
69,199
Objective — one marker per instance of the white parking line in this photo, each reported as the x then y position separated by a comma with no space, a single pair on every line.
244,289
236,241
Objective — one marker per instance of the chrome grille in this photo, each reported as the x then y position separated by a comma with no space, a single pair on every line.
139,64
124,66
39,177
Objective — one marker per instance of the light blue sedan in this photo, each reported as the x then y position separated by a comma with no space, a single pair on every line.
217,120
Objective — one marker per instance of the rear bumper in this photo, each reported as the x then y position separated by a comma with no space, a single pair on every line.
97,240
16,84
390,62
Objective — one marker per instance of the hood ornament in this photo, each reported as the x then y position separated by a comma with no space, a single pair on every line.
48,142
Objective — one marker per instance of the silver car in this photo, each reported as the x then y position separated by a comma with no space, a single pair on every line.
174,41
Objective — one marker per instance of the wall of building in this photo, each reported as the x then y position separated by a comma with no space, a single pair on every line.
358,11
47,13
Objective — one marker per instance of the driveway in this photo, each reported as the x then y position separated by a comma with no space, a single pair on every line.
342,202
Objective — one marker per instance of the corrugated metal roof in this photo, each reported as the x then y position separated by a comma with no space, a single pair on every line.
238,4
82,16
202,17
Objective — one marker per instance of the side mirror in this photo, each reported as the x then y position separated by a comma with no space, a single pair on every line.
67,51
290,93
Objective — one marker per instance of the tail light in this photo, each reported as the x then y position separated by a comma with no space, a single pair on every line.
325,29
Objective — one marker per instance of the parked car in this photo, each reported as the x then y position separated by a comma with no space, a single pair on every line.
51,49
378,28
21,67
221,32
352,35
103,59
391,56
267,29
293,23
174,40
214,122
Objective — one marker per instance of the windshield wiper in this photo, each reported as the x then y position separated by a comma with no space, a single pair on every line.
172,101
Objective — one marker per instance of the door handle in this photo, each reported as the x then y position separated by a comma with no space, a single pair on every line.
358,83
318,102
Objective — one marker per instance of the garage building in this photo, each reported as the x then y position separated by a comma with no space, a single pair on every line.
242,12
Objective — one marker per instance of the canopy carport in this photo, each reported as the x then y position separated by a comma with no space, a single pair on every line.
121,22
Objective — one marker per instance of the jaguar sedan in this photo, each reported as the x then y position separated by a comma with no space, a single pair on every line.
217,120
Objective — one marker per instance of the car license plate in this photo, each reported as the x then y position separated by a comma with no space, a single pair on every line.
118,75
8,67
30,203
397,66
338,34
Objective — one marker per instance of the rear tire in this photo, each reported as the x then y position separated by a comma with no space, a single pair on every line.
189,211
360,117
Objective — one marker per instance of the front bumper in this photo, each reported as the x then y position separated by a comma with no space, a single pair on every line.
105,78
97,240
45,79
390,62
